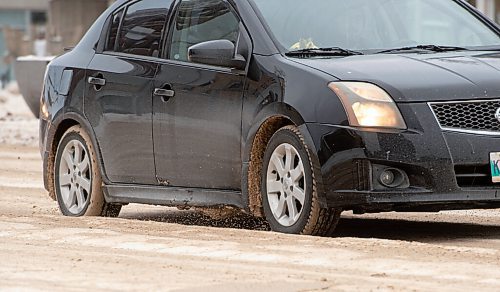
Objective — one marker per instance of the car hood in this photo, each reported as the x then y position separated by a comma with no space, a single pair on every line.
420,77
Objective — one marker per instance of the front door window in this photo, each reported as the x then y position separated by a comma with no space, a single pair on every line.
199,21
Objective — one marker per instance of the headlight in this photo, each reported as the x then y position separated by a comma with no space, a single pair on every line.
368,105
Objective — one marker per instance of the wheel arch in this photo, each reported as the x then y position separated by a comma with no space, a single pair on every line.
59,126
271,119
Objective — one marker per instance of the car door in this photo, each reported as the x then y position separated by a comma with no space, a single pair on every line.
118,101
197,120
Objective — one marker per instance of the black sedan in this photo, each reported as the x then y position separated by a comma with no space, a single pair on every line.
290,110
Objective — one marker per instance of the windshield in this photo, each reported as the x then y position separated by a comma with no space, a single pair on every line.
365,25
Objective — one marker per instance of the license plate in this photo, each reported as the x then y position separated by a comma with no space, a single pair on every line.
495,166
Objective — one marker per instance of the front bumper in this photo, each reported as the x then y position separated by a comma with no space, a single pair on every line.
446,170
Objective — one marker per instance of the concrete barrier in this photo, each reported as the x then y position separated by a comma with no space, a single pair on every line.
30,72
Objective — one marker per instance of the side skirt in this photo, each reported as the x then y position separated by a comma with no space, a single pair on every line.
171,196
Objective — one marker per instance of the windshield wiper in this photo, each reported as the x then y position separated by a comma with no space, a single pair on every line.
332,51
433,48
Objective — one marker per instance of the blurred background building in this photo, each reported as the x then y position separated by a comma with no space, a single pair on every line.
46,27
42,28
489,7
20,22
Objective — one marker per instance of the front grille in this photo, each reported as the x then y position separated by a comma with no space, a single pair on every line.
468,115
473,176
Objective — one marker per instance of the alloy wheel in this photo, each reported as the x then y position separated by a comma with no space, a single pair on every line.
75,179
286,187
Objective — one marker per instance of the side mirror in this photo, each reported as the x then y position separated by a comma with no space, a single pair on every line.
217,53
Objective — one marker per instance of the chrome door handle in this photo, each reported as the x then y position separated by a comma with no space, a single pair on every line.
97,81
164,92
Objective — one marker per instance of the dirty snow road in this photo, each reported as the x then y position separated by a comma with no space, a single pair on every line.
155,248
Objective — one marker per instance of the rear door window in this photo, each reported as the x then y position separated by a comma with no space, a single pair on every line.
141,29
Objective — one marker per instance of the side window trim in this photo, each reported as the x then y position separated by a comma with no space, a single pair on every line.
103,39
199,66
131,56
169,31
118,32
245,38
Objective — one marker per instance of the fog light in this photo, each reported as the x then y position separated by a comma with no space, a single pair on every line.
384,177
387,177
393,178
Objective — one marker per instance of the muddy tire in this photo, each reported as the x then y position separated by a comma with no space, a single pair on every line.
290,189
77,179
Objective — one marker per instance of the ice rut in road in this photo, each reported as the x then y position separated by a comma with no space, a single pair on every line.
326,254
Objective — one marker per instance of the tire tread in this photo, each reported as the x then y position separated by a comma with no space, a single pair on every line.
98,205
321,221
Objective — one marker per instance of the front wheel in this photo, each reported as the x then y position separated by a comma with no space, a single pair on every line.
78,182
290,188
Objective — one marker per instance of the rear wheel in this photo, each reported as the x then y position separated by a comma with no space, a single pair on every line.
77,180
290,188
